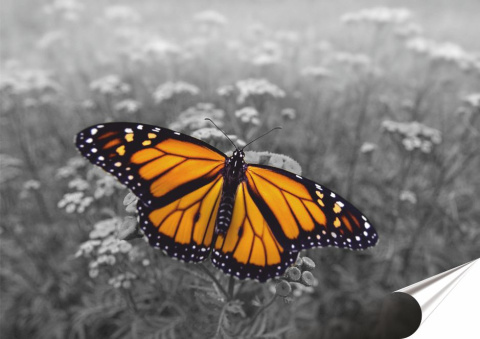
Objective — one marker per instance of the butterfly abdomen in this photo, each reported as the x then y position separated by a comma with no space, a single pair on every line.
225,211
234,174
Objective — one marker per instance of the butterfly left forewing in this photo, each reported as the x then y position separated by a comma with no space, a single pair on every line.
184,229
157,164
303,214
249,250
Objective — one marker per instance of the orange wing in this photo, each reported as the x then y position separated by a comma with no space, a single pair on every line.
303,214
184,229
157,164
249,249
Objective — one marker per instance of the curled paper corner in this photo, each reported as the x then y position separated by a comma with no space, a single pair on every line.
447,300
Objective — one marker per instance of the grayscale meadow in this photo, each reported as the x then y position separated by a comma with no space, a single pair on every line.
378,101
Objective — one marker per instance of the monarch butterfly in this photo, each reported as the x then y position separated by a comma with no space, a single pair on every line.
195,202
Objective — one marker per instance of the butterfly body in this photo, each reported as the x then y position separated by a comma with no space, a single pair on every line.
196,203
234,175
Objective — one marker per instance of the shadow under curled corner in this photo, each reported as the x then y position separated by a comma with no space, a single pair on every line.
443,306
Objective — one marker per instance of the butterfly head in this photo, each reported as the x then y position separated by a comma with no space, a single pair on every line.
237,160
235,166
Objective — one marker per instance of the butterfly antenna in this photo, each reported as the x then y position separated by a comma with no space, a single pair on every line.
273,129
221,130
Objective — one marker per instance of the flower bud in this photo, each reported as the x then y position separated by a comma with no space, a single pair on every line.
283,288
132,208
128,229
129,198
299,261
293,273
308,279
308,264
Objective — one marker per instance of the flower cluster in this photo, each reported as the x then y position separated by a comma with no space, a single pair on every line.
226,90
210,18
267,53
157,48
473,100
71,168
168,90
377,15
273,159
216,138
444,52
123,280
122,14
18,81
75,202
316,72
297,279
9,167
414,135
408,196
354,60
29,186
368,147
128,106
68,10
248,115
257,87
194,117
106,185
409,30
103,246
288,113
110,85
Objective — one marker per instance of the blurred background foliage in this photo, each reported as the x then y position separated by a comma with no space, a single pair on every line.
380,104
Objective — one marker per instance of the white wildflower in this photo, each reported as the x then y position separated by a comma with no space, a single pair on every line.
316,72
68,10
368,147
110,85
288,113
168,90
377,15
257,87
128,106
226,91
160,48
79,184
194,117
248,115
122,13
104,228
473,100
211,18
408,196
414,135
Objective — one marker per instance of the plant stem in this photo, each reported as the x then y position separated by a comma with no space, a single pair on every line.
215,280
231,285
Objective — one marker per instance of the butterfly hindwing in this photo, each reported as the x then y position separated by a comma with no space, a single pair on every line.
157,164
184,229
303,214
249,249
